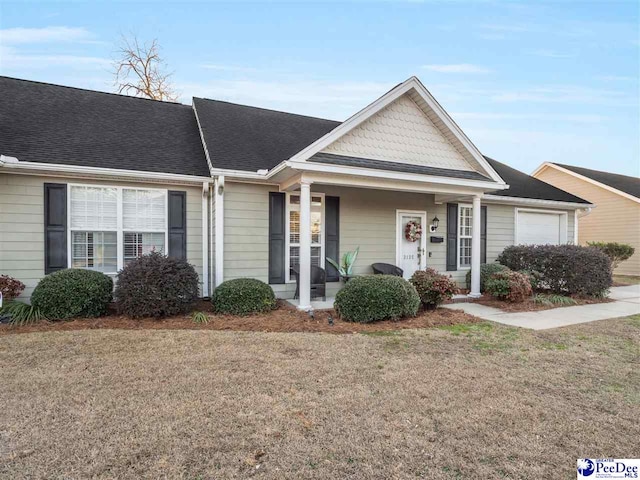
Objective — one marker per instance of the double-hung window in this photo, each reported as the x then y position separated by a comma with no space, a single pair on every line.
110,226
465,225
293,232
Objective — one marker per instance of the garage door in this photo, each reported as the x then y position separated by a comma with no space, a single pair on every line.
538,228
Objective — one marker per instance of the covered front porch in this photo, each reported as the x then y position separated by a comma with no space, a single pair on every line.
374,214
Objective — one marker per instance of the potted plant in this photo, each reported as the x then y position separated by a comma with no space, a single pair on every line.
345,268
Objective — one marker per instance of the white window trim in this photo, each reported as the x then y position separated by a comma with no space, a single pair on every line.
120,230
287,263
460,207
564,223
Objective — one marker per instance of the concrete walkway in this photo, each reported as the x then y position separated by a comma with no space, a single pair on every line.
627,302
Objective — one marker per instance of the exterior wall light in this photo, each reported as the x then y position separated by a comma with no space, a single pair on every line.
434,224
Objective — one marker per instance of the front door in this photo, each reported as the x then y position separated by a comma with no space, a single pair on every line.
411,240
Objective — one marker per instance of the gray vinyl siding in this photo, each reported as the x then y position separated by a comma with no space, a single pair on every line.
22,224
367,220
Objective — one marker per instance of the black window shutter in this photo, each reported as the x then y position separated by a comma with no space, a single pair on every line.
277,237
452,236
55,227
483,234
178,225
332,236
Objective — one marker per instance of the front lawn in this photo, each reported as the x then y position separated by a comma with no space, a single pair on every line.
463,401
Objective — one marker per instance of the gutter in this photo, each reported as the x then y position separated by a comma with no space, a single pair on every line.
536,202
55,169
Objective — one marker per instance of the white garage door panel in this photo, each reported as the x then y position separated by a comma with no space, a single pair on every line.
538,228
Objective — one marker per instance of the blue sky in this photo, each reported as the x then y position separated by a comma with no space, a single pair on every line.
528,82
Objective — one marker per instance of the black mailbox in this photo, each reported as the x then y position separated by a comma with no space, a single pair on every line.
437,239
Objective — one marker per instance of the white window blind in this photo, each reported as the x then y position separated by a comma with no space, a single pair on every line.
144,210
94,208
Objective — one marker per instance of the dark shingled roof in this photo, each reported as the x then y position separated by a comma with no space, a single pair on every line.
46,123
395,166
630,185
239,137
522,185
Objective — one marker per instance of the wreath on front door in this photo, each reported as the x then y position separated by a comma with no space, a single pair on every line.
413,231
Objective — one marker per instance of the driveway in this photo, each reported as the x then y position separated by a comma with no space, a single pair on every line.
627,302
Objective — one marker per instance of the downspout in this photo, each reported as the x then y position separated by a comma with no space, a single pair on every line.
205,239
219,229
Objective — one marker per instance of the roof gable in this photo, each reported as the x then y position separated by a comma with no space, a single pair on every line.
522,185
622,183
401,132
414,89
53,124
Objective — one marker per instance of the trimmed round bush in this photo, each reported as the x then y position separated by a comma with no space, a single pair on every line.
486,270
563,269
243,296
510,286
377,297
73,293
433,287
156,286
617,252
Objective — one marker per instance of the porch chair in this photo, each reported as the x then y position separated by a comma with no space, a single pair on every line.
387,269
318,282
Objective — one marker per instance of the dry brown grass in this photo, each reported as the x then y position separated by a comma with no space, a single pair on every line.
476,401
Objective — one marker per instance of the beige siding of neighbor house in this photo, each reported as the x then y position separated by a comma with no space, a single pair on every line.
22,223
402,133
367,220
615,218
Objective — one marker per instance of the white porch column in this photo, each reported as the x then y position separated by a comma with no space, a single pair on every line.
305,246
475,249
219,229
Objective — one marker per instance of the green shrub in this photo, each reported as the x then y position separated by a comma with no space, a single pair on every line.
156,286
377,297
73,293
243,296
617,252
200,318
552,299
433,287
509,285
21,313
486,270
535,278
564,269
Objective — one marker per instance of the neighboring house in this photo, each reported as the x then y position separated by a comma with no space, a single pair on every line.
616,217
90,180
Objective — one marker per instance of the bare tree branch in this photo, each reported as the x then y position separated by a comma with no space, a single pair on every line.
139,71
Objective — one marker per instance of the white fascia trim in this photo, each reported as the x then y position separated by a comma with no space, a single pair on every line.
535,202
546,165
204,144
56,169
386,174
382,102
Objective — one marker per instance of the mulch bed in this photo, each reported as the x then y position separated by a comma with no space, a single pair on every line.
286,318
530,306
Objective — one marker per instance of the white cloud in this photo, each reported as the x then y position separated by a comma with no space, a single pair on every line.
457,68
13,59
575,118
227,68
617,78
567,94
549,53
15,36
